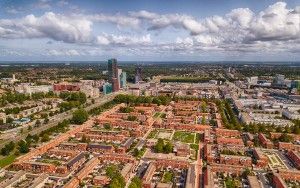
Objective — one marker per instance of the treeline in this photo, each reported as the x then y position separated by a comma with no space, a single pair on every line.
24,145
228,117
189,79
73,99
21,97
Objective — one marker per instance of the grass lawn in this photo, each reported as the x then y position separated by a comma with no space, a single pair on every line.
156,115
168,177
152,134
7,160
186,137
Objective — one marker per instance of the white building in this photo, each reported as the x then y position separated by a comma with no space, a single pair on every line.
291,113
252,80
26,88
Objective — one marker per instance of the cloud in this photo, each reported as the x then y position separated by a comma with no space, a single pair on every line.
277,28
50,25
120,40
64,52
43,4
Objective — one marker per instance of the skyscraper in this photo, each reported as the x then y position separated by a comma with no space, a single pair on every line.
113,76
123,78
112,69
138,74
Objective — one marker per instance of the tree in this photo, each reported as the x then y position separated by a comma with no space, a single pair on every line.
107,126
46,120
168,147
80,116
136,182
131,118
285,138
23,146
159,146
136,152
8,148
45,138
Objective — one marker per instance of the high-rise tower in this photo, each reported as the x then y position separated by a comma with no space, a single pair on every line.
113,77
138,74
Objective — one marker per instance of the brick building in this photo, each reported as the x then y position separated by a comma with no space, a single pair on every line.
295,158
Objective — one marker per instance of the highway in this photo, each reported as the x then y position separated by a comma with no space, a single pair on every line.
53,121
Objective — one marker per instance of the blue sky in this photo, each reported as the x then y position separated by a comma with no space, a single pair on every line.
156,30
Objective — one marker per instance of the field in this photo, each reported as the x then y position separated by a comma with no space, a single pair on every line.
7,160
182,136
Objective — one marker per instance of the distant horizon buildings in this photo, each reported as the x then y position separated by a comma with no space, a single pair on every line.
116,77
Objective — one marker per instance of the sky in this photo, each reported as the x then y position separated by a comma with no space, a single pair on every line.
149,30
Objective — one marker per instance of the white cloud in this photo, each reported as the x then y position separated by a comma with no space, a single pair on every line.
121,40
277,28
49,25
64,52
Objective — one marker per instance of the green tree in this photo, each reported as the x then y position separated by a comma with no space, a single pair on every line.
45,138
23,146
80,116
168,147
159,146
107,126
136,182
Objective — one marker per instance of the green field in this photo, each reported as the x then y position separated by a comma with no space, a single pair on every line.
7,160
186,137
152,134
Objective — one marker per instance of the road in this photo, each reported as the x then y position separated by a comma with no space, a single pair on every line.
263,180
60,117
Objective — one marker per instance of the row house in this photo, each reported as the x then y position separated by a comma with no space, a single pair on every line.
208,153
261,159
101,180
285,146
88,167
277,135
230,141
73,146
235,169
54,142
264,141
206,136
101,137
76,162
61,153
127,170
117,157
35,167
235,160
100,148
148,175
293,175
227,133
172,163
295,158
208,178
278,182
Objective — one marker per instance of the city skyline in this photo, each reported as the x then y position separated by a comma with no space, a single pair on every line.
158,31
